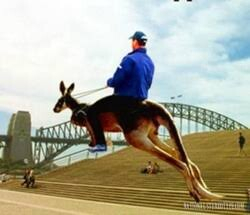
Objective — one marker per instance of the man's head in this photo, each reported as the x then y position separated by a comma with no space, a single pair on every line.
139,39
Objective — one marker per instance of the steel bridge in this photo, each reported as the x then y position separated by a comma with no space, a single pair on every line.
200,116
51,141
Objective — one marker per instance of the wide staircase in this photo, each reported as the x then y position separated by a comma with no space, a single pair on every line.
116,178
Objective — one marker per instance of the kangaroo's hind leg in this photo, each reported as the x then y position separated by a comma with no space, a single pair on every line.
139,139
172,151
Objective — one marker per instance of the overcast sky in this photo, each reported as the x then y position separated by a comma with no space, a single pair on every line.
201,50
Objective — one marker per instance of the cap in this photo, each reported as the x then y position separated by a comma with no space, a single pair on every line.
139,35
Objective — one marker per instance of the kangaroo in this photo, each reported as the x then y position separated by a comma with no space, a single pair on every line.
141,131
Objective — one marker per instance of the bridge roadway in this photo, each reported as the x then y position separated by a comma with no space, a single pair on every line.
62,140
4,138
12,203
51,140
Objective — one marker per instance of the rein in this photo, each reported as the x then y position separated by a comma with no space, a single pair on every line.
86,93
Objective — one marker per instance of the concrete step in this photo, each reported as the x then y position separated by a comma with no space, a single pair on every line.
163,199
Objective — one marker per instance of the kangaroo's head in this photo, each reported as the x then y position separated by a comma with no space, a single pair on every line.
66,100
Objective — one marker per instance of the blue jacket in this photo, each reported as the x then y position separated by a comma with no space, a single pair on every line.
134,75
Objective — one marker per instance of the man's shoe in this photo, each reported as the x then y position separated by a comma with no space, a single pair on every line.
98,148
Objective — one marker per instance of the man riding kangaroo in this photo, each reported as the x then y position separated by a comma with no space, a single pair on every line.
131,83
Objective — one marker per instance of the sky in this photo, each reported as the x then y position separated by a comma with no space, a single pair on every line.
201,50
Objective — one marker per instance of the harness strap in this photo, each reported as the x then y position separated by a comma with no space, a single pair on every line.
85,93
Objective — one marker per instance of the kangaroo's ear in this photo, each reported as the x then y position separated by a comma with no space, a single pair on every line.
71,88
62,87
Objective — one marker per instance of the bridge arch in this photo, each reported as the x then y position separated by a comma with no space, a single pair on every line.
51,141
208,118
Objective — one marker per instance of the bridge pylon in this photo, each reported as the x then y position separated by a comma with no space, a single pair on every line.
18,146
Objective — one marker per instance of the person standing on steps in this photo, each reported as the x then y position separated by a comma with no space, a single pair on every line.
131,82
242,141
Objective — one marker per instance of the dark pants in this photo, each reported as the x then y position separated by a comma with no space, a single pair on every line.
121,105
26,181
241,145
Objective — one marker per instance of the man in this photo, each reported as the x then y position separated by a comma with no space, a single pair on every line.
241,143
131,83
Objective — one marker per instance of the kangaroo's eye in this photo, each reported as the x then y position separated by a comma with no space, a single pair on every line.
61,101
